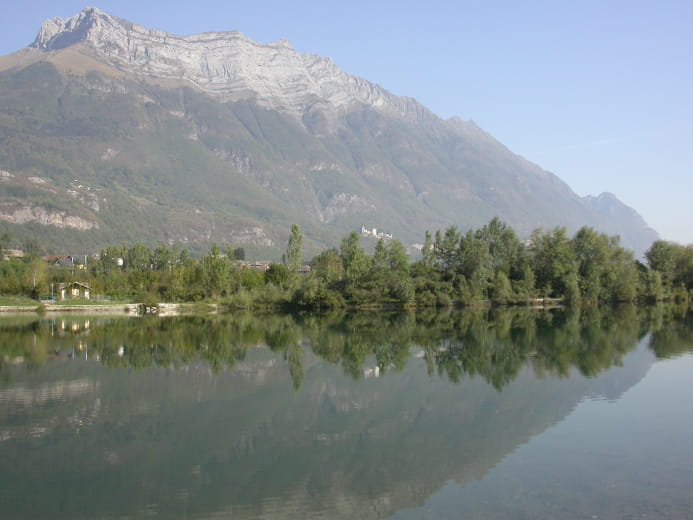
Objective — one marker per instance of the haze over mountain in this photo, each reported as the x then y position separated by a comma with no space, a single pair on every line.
113,132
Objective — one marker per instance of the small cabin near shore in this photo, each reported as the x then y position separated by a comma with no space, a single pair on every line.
74,290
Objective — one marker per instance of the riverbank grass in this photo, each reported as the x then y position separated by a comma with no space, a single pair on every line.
17,301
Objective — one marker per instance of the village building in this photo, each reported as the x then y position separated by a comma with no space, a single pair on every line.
66,261
373,232
74,290
12,253
261,266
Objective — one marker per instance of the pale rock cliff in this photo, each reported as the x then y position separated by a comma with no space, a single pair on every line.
45,216
225,63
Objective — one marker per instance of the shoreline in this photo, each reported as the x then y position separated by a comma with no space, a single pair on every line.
40,308
176,309
128,309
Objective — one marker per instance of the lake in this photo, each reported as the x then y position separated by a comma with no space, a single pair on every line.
508,413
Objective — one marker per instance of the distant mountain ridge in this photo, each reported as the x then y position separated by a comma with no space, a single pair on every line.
221,63
139,134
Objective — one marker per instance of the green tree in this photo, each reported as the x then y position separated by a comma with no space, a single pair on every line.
660,257
652,288
445,249
684,266
621,276
36,277
110,259
572,289
380,257
475,261
502,292
397,259
591,257
553,259
214,272
278,274
524,287
504,248
673,261
354,261
293,249
162,259
427,250
137,258
328,266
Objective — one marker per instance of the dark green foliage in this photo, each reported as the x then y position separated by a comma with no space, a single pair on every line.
354,263
553,259
483,267
293,249
214,272
328,266
674,263
279,275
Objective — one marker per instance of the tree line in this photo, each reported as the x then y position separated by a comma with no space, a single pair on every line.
489,266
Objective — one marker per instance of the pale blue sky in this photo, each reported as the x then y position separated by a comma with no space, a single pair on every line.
599,92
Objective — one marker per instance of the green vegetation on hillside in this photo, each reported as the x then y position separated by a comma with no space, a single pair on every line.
141,162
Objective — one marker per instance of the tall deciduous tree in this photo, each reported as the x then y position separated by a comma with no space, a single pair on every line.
293,249
427,250
214,272
354,261
162,259
660,257
554,259
138,257
328,266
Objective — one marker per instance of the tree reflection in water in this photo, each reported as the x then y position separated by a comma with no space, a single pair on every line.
491,343
193,416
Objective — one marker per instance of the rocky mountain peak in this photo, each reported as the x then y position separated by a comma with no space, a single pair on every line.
224,63
57,33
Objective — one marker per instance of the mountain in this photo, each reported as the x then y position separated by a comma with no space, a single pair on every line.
111,132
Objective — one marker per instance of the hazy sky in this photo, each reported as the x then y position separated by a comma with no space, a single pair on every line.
598,92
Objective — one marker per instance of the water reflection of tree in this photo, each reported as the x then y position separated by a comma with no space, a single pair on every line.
494,344
672,330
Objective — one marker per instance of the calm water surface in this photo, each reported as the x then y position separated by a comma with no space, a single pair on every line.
487,414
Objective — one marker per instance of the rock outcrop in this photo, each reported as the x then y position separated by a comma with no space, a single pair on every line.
225,63
46,217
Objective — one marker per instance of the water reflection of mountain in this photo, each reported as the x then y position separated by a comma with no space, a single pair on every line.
185,442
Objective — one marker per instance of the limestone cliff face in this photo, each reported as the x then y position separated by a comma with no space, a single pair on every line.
224,63
45,216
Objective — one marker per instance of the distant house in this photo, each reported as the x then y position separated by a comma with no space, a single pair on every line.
67,261
74,290
12,253
305,269
261,266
